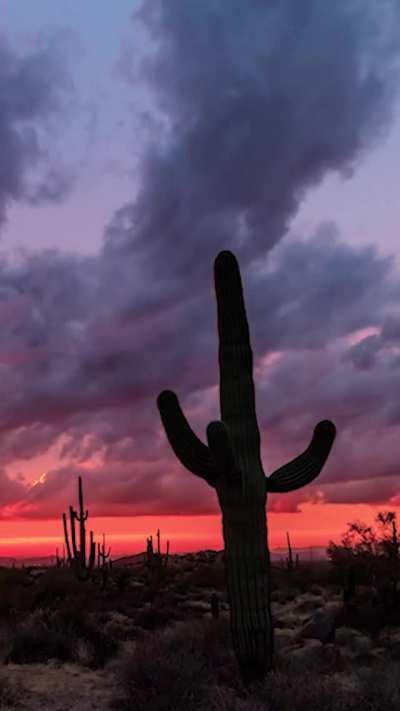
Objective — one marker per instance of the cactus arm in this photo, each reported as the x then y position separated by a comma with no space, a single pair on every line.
67,538
191,452
75,551
81,518
92,554
83,515
306,467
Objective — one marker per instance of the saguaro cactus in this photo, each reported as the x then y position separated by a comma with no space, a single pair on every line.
231,463
289,559
102,554
77,557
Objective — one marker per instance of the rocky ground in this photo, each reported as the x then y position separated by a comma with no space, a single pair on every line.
314,634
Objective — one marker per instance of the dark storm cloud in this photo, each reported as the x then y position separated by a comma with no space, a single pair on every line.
319,289
96,381
33,87
259,102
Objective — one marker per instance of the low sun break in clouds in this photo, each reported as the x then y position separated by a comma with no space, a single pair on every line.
254,104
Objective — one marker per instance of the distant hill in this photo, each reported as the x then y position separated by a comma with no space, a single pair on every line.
43,561
277,554
305,554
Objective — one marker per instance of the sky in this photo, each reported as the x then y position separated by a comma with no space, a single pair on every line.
138,140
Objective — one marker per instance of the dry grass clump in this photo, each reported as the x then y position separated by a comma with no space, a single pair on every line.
61,634
11,693
367,689
175,668
207,575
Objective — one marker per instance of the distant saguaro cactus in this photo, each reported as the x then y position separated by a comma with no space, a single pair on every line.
232,465
155,559
102,553
289,559
77,556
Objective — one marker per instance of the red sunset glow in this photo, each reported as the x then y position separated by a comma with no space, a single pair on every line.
314,525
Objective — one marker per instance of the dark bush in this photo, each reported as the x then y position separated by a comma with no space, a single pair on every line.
48,634
173,669
207,575
16,592
152,618
11,693
58,584
37,640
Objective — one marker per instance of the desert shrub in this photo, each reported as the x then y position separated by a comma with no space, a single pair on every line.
207,575
37,640
13,576
372,553
121,578
77,623
152,618
11,693
56,634
119,626
57,584
295,690
173,669
182,586
7,631
16,592
380,688
101,645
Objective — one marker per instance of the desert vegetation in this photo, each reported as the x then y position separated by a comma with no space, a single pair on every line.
169,645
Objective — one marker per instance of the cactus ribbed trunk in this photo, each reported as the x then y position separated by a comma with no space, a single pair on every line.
69,554
72,516
242,491
247,574
82,529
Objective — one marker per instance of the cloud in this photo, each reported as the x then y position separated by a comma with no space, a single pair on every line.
34,88
256,103
259,103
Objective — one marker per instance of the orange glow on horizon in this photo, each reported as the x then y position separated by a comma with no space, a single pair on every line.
313,525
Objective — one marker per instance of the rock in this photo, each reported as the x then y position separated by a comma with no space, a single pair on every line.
312,654
361,645
308,604
390,640
196,605
344,635
290,594
283,638
355,642
223,614
322,624
304,655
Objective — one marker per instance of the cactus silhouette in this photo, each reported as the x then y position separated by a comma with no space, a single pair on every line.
102,554
77,556
231,463
289,560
